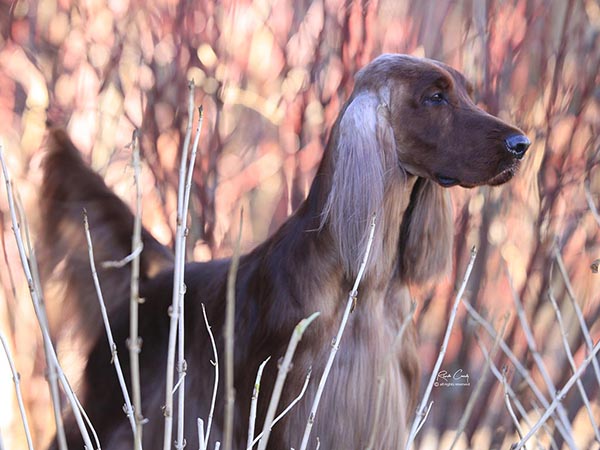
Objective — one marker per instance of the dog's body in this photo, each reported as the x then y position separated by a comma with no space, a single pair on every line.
408,128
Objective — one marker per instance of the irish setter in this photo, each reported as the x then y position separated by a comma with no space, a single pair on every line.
408,132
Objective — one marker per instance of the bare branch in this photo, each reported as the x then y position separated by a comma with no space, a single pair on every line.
176,308
569,353
511,412
17,382
134,344
539,362
254,402
204,445
35,297
517,364
560,395
107,328
571,294
420,415
281,376
286,410
462,423
352,297
61,438
229,339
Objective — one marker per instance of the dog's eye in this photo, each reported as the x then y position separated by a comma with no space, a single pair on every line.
436,99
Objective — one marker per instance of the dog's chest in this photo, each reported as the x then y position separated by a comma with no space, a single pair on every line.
366,376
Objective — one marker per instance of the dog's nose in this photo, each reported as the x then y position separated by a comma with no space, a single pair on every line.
517,144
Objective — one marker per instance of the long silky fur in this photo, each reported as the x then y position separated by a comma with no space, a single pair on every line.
362,156
427,233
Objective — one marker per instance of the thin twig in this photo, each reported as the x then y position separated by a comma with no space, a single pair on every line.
462,423
123,262
286,410
420,415
61,438
590,201
546,428
352,297
281,376
571,294
537,358
201,434
569,353
134,343
178,286
215,363
229,339
511,412
391,356
516,363
560,395
254,402
498,375
111,342
181,362
17,382
89,424
35,297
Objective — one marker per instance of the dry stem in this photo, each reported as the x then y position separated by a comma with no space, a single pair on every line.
462,423
35,297
516,363
569,353
571,293
281,376
539,362
560,395
111,342
511,412
352,297
420,416
17,382
254,402
134,344
204,443
229,339
286,410
61,438
178,288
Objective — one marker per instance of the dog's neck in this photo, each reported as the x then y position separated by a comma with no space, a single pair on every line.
381,272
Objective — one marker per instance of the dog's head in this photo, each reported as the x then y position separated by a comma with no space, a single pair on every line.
414,116
438,132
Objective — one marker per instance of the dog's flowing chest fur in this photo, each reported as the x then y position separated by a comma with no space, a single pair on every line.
267,311
408,129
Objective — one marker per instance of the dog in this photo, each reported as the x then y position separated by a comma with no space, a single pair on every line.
407,133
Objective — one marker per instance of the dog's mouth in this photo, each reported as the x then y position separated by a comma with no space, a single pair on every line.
446,181
500,178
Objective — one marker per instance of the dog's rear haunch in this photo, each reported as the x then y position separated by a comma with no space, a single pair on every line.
408,131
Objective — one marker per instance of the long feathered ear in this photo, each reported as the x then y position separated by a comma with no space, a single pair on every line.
427,233
364,137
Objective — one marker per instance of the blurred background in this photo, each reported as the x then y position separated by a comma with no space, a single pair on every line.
272,76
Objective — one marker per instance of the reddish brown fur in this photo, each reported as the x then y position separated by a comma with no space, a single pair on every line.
389,149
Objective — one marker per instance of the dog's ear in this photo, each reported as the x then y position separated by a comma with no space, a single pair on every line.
427,233
364,137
